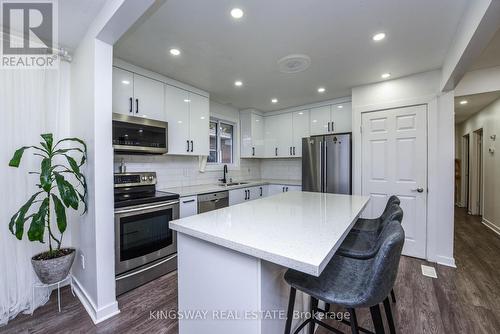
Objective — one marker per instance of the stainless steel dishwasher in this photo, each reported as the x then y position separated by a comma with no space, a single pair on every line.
213,201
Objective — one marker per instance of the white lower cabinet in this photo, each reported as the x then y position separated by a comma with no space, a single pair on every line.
247,194
188,206
281,188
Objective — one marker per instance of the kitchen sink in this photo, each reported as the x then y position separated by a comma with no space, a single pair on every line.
233,184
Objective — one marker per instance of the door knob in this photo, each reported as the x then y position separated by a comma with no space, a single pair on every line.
419,189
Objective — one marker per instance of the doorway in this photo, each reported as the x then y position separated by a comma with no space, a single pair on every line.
465,171
476,184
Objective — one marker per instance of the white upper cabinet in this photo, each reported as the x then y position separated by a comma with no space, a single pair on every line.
148,98
300,120
252,135
331,119
278,135
320,120
342,118
123,91
199,115
177,113
136,95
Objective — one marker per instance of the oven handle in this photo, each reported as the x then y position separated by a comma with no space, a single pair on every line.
142,208
148,268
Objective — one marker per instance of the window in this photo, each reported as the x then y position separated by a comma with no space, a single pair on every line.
221,142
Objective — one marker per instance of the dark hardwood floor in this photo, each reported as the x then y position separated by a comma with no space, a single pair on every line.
462,300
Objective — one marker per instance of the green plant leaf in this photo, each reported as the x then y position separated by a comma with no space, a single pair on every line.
73,164
37,226
45,175
16,158
67,192
78,140
18,219
83,198
60,213
49,139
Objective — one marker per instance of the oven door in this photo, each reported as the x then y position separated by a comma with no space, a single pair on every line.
142,234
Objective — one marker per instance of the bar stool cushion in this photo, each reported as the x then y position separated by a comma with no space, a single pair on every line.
364,224
353,283
364,244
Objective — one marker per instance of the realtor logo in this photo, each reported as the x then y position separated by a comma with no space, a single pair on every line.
29,34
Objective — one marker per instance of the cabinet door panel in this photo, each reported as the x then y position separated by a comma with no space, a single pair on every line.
258,135
177,113
285,142
320,117
300,130
149,98
199,115
123,91
246,126
188,206
342,118
237,196
272,129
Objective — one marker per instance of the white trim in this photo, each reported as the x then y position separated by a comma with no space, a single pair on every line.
446,261
491,226
97,315
341,100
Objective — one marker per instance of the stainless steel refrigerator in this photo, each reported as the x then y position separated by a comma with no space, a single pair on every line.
326,164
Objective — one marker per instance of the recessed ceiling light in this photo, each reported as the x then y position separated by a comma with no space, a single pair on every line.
321,90
187,100
238,83
125,82
464,102
175,52
386,75
378,36
237,13
340,107
274,100
301,113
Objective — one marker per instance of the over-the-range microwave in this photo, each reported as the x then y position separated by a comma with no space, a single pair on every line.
138,135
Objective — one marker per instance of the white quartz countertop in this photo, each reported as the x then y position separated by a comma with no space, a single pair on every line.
209,188
298,230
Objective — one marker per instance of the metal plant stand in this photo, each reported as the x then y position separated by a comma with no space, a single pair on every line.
42,285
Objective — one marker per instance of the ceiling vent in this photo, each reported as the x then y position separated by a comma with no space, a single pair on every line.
294,63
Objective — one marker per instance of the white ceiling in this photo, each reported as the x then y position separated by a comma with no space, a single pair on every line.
475,103
336,35
75,17
490,56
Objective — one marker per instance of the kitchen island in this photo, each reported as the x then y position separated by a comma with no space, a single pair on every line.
231,261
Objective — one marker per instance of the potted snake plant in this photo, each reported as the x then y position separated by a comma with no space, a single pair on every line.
61,186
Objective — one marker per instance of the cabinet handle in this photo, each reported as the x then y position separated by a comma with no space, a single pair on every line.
253,151
131,107
187,146
260,191
290,150
294,150
328,126
136,106
248,194
286,189
192,146
283,189
190,201
276,151
333,123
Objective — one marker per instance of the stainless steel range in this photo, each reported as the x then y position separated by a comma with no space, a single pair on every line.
145,247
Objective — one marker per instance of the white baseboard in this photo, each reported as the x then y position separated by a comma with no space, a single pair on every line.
97,315
446,261
491,226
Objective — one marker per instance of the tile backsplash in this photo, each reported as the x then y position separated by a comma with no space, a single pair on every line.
181,171
288,169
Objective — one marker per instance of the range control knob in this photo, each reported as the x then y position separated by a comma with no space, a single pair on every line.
151,178
144,178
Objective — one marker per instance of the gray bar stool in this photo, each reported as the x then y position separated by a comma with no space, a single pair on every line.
363,224
352,283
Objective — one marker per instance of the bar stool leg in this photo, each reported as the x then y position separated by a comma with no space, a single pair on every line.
377,319
354,321
314,305
393,296
388,314
289,316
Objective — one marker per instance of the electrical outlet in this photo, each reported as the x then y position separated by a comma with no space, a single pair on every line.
82,260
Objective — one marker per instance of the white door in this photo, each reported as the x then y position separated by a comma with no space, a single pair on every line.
394,161
341,118
320,120
123,92
300,130
177,112
199,114
149,98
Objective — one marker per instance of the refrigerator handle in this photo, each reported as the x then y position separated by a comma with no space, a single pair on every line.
321,165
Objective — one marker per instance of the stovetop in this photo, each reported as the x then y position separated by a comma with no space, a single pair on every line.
124,199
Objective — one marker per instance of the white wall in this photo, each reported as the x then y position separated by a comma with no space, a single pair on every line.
479,81
487,119
281,169
420,88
